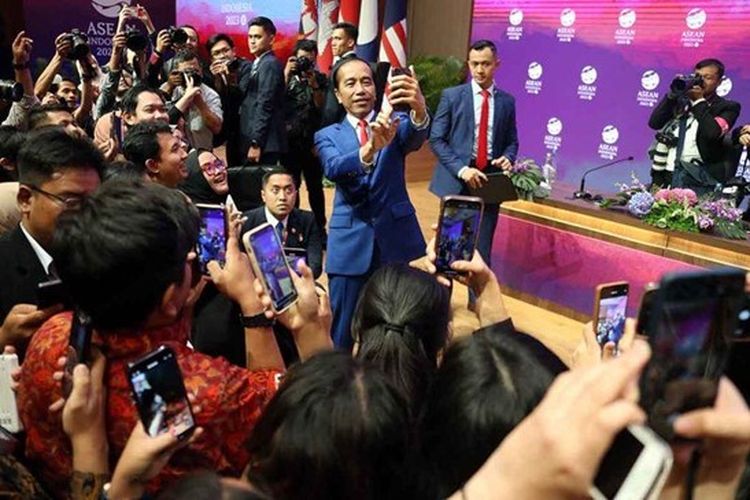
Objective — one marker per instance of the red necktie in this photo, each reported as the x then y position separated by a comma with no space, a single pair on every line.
484,119
362,127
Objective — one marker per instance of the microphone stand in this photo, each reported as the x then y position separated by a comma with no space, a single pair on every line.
582,193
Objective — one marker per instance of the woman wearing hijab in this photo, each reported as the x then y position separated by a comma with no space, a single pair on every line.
207,180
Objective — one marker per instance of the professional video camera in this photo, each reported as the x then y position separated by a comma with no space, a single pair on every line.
136,41
304,65
683,83
178,36
10,90
80,43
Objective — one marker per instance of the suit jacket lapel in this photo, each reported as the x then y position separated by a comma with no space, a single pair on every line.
27,262
468,103
498,112
348,139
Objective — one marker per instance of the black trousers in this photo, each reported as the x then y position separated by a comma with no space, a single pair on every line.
302,162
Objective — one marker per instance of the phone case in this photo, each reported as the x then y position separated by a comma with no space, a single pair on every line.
443,204
598,297
9,418
256,267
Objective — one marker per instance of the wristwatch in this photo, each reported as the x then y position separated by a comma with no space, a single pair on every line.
258,321
21,65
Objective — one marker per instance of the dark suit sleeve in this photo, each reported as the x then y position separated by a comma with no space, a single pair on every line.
511,150
709,128
440,136
663,112
314,247
270,81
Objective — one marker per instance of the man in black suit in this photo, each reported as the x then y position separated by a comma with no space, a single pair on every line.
56,171
297,228
262,128
693,123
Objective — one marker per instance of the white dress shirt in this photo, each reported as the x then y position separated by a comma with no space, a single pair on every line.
271,219
45,259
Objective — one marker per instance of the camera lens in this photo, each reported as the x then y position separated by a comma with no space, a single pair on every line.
179,36
136,41
10,90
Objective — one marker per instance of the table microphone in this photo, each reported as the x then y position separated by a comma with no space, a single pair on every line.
582,193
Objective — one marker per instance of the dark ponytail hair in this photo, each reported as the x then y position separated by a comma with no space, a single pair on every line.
401,324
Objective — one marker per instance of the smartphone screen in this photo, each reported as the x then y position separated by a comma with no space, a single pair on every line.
212,238
294,256
611,307
691,323
160,395
78,350
458,230
271,263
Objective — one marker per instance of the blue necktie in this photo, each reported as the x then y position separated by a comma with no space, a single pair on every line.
280,231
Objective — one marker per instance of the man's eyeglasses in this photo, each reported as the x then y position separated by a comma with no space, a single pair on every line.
69,202
214,167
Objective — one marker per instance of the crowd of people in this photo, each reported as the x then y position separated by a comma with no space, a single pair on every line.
355,391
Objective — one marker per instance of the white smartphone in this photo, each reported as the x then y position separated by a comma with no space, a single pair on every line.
9,418
635,466
271,265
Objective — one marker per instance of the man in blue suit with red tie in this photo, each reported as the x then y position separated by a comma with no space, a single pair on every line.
474,133
373,221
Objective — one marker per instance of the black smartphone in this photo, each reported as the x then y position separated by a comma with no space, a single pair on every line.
294,256
78,350
159,393
271,265
212,238
691,322
458,230
50,293
396,72
644,311
610,309
742,332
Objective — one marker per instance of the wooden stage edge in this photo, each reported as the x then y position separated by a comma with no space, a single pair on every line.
615,226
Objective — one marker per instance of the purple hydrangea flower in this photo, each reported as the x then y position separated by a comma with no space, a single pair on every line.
705,222
640,204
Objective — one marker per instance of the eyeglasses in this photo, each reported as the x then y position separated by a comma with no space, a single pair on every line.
69,202
214,167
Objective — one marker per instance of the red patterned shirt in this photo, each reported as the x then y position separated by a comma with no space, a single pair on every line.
231,401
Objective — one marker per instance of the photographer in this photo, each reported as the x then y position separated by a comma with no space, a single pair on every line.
304,98
692,121
193,100
74,46
225,70
19,111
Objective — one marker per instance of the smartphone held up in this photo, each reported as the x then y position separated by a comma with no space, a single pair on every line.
271,265
458,231
610,309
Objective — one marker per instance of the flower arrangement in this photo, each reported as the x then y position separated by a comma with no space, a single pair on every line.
527,178
679,209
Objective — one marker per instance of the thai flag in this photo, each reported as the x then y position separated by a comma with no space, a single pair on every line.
393,40
367,42
328,15
308,20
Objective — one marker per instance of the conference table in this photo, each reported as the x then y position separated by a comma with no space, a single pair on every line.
553,252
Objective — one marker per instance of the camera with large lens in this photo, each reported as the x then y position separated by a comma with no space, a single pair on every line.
303,66
667,139
10,90
135,40
80,43
233,65
683,83
178,36
191,74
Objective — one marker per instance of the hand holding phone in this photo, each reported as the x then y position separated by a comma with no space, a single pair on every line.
397,91
271,266
610,309
458,231
212,238
79,349
159,393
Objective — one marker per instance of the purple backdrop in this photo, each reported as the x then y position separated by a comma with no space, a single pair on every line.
587,74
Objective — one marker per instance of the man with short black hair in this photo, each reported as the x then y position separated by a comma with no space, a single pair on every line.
153,145
11,140
54,115
693,123
262,130
56,172
140,103
194,101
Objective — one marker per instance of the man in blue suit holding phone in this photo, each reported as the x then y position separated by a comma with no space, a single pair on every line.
373,221
473,134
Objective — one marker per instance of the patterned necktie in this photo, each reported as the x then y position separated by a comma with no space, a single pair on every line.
484,119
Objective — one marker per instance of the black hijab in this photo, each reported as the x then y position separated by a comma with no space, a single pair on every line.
196,187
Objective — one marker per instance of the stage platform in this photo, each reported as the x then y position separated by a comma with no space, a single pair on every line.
553,252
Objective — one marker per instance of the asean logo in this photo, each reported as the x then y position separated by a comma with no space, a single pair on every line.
554,126
109,8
